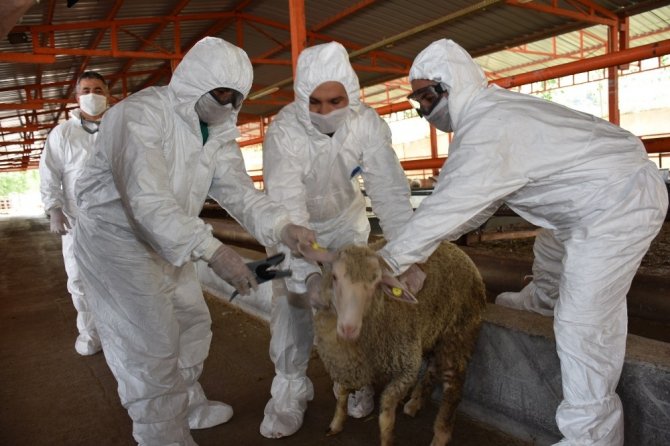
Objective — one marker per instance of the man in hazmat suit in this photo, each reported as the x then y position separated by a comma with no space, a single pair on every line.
159,154
65,152
314,151
587,182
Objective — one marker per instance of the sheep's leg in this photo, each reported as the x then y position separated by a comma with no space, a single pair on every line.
452,387
452,361
337,424
421,389
392,395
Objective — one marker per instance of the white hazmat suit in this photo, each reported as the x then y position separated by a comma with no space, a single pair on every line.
585,180
66,150
315,177
138,234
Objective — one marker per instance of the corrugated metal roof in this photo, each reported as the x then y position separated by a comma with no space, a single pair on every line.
505,36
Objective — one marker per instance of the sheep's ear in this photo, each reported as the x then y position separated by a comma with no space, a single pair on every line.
392,287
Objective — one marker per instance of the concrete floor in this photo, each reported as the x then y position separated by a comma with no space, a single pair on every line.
52,396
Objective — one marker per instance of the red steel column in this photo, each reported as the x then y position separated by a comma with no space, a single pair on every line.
298,29
613,75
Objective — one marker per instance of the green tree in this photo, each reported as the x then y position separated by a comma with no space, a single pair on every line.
19,182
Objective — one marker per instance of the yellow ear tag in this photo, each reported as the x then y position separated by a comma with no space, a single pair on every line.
397,292
317,247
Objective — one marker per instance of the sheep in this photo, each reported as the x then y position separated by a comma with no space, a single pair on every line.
364,337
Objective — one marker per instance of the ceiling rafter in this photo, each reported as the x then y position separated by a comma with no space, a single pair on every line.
584,10
212,30
576,54
150,38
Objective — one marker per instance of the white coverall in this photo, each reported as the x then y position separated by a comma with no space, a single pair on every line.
138,234
315,177
65,152
587,181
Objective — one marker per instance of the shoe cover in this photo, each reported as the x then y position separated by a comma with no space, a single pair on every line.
285,410
87,345
524,300
209,414
361,403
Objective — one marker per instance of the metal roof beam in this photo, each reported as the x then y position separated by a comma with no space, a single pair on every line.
585,11
594,63
150,38
214,29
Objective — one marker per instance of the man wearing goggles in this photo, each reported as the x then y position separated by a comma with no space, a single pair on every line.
429,99
587,182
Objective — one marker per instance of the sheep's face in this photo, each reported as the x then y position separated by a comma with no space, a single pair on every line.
356,274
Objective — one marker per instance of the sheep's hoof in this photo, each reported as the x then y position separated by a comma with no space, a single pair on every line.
330,432
411,407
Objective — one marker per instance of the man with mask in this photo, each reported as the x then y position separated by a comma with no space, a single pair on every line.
314,151
65,152
588,182
160,153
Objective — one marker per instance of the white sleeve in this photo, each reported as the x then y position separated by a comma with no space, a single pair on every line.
474,181
283,168
385,180
234,190
51,170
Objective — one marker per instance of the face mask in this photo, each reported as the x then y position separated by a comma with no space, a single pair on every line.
210,111
90,126
439,117
329,123
93,104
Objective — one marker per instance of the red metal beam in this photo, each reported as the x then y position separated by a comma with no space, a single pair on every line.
214,29
657,144
593,14
298,29
27,58
595,63
151,37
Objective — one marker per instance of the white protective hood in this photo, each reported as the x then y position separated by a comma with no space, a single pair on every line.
323,63
211,63
445,62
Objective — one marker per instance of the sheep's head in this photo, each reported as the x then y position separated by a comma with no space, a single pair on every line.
357,273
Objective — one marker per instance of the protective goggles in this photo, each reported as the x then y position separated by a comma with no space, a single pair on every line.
225,96
425,99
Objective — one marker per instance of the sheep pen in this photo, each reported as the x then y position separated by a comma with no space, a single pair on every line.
392,337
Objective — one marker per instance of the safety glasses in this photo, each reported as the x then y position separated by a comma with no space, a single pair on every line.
425,99
226,96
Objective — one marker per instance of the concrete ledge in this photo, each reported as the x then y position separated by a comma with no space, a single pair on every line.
514,381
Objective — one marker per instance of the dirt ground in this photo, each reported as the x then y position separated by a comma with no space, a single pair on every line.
52,396
655,263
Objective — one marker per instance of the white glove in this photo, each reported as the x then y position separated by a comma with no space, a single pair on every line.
413,279
313,284
294,235
59,223
228,265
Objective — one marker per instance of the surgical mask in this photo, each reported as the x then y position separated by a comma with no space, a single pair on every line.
90,126
93,104
328,124
210,111
439,116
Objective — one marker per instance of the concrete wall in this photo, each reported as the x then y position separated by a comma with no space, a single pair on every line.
514,380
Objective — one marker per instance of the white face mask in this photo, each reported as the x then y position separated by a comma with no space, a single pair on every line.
439,117
210,111
93,104
329,123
